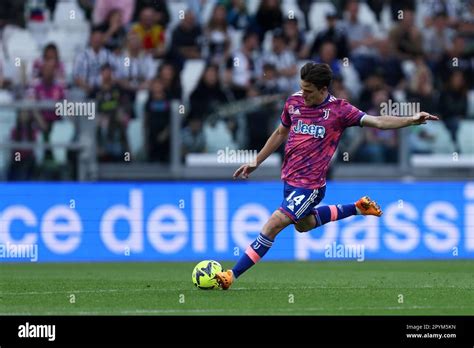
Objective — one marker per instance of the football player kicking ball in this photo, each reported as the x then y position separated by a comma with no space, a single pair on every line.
312,123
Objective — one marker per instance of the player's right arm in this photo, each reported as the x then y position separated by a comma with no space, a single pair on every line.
275,140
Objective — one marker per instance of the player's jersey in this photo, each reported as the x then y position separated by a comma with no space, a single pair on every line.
314,135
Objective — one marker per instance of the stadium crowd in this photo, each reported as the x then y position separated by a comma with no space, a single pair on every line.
137,46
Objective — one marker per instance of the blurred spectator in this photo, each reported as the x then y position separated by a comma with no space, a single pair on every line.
398,8
430,8
205,99
112,101
103,8
47,89
457,58
453,104
237,14
151,34
327,54
193,137
268,82
374,82
379,146
50,53
362,41
240,68
305,7
162,14
466,24
168,75
186,41
13,12
284,61
157,123
23,161
437,39
87,6
35,11
339,90
389,65
376,6
406,37
112,110
112,144
136,67
421,88
197,8
332,33
87,65
294,37
114,32
259,122
218,36
268,17
208,93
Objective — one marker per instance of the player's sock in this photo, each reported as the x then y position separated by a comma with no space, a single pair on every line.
252,255
330,213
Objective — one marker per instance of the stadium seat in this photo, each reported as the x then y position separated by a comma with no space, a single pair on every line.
61,133
252,7
139,107
174,8
443,143
267,42
69,43
7,122
470,104
292,5
68,15
218,137
317,14
367,16
466,137
386,19
190,75
135,136
236,39
21,44
207,11
351,79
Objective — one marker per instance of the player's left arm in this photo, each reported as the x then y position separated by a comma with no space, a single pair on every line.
394,122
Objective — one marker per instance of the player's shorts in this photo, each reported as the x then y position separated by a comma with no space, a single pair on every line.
300,202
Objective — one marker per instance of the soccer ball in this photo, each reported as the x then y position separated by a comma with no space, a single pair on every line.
204,274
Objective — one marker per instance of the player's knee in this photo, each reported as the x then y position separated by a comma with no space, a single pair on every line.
302,228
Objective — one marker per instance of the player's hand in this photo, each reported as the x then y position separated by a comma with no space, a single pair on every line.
245,170
422,117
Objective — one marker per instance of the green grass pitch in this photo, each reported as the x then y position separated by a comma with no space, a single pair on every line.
270,288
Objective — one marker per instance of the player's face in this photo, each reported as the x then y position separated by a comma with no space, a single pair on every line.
311,94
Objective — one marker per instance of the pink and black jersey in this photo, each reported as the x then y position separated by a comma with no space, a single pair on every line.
314,135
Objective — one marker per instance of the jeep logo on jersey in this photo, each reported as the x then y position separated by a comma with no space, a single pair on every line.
312,129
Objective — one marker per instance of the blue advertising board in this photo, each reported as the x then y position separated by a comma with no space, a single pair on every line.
201,220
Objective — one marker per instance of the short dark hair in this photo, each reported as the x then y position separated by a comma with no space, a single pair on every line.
319,74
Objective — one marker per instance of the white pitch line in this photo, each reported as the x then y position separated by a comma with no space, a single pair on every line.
230,312
233,289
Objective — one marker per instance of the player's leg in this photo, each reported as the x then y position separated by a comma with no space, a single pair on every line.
323,215
257,249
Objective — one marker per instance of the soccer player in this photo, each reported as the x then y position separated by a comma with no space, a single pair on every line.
312,123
